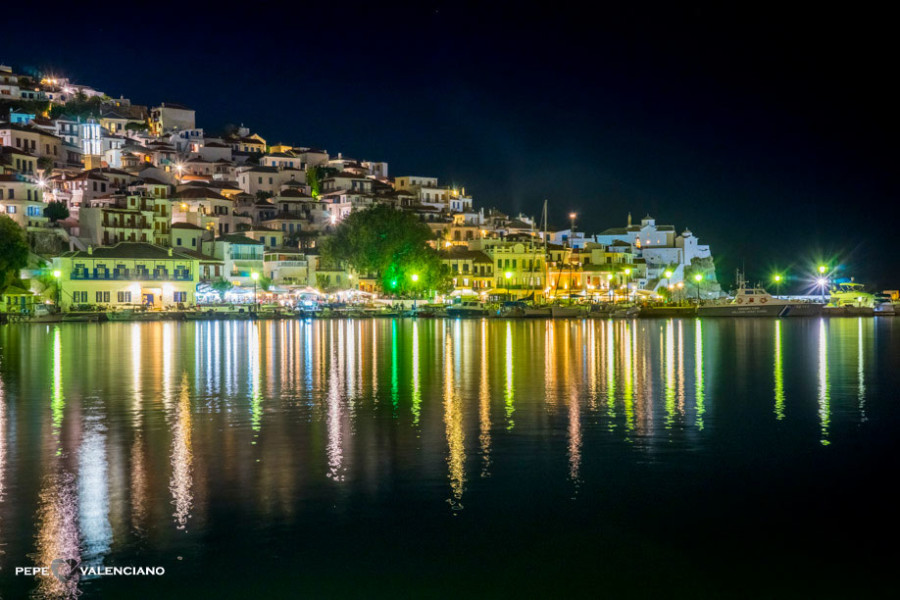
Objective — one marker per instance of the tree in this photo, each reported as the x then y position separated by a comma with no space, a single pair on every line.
13,250
45,163
314,177
135,127
222,286
391,244
56,211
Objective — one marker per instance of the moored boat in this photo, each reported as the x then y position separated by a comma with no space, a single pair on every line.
468,308
757,302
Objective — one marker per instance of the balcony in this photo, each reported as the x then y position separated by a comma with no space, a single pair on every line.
287,263
130,276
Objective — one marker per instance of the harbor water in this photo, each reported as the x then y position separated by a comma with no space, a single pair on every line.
441,458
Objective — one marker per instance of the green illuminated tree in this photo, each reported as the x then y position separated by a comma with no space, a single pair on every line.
391,244
314,177
13,250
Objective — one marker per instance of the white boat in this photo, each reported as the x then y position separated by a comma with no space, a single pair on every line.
849,293
757,302
468,308
884,306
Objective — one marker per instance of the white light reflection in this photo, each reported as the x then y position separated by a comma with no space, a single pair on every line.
861,374
182,460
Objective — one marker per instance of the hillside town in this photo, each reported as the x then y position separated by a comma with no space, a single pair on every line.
125,204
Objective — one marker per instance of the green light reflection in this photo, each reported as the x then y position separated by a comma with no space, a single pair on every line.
779,373
699,384
670,374
824,391
416,390
57,400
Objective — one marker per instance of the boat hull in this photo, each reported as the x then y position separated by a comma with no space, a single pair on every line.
735,310
537,313
808,309
467,312
566,312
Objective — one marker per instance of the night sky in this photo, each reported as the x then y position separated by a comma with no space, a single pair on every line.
768,133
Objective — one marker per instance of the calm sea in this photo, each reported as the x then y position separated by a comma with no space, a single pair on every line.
442,458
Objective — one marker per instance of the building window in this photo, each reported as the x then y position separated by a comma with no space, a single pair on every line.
102,297
124,297
179,296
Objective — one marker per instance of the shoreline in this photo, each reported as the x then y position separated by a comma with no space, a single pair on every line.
101,317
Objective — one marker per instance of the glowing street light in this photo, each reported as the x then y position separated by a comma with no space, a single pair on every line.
668,275
415,280
698,278
777,279
508,275
822,269
822,282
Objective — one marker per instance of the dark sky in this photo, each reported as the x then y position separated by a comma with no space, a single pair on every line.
770,133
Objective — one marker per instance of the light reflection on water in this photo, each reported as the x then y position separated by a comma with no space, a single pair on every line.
270,416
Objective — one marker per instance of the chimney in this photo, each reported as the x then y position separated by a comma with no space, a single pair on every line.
90,250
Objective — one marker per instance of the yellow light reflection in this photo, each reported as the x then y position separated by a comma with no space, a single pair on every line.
182,457
484,406
167,361
779,373
699,388
824,391
509,391
138,471
610,374
574,433
453,423
630,361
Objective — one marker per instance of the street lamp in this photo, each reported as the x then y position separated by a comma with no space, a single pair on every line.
668,285
822,283
57,275
698,278
778,285
415,279
255,277
508,276
609,285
